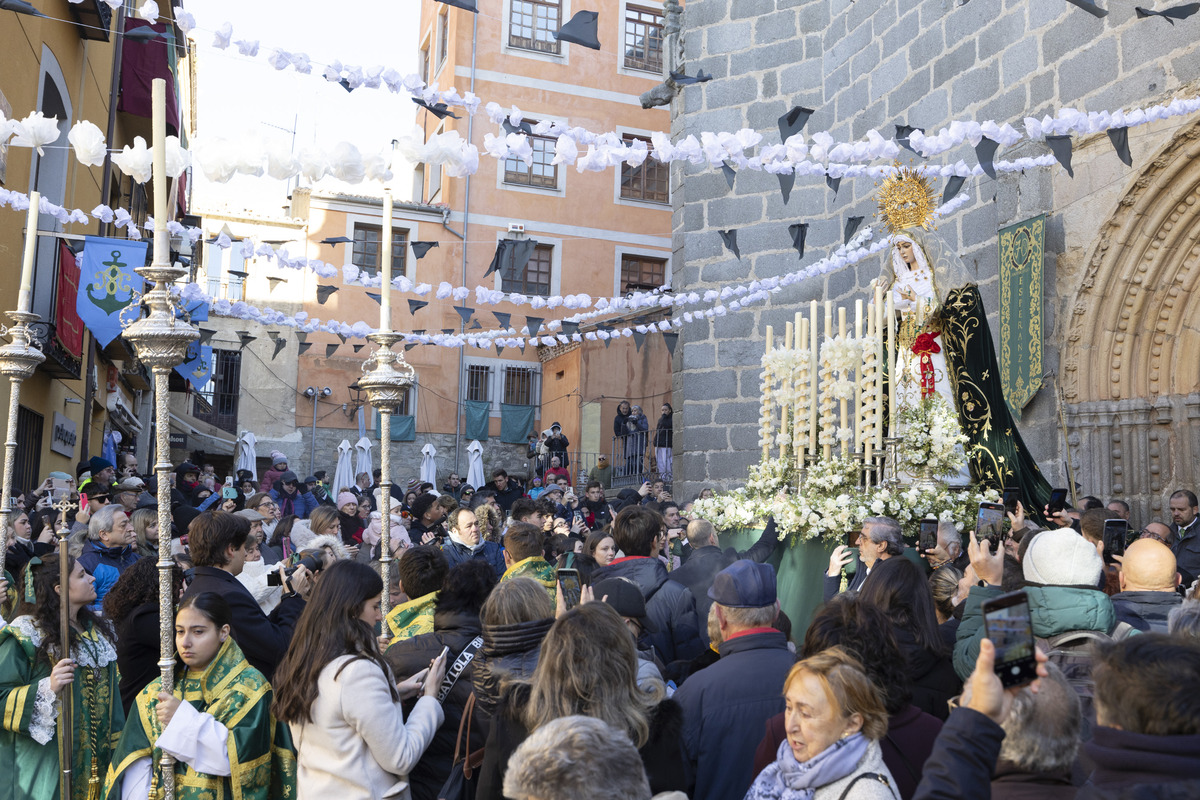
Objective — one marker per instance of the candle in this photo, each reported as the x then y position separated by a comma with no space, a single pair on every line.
858,407
890,329
869,378
797,388
385,255
879,372
162,240
785,382
827,450
812,378
766,407
31,232
843,404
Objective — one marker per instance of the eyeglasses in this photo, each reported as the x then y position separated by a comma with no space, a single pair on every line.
1148,534
267,504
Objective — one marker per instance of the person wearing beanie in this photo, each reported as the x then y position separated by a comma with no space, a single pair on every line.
427,515
279,465
352,525
102,470
1062,580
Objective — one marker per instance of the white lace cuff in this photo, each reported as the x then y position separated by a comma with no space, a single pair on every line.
198,739
45,713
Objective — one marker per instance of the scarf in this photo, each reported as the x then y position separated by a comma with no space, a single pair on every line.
475,548
785,778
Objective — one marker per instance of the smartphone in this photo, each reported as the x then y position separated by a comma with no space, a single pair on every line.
58,488
1012,496
568,579
1058,500
444,654
989,524
929,531
1116,532
852,538
83,501
1007,623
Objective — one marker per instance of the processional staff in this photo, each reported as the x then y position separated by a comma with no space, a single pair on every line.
66,722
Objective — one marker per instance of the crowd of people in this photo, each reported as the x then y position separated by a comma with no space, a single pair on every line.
544,645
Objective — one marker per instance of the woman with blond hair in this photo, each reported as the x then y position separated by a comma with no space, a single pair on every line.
834,718
145,525
588,666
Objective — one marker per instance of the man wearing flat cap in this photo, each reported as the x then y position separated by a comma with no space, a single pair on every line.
726,705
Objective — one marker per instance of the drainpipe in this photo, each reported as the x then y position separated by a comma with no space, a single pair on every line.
466,219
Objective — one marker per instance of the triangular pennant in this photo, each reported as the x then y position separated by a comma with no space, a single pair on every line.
447,331
505,320
607,342
416,305
729,237
580,29
410,346
683,79
378,298
273,281
985,151
953,184
792,122
330,349
273,335
323,293
341,336
464,313
421,248
535,325
419,333
302,336
475,326
499,350
1169,14
521,345
524,127
799,232
1061,147
852,224
787,180
279,345
833,183
358,347
570,328
1120,142
302,348
206,335
246,338
670,340
638,340
730,173
902,134
439,110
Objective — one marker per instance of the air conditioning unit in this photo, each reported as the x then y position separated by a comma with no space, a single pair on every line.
516,227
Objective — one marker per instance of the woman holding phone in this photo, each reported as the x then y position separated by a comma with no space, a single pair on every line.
343,704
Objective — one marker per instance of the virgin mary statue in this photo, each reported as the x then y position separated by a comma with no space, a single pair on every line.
944,344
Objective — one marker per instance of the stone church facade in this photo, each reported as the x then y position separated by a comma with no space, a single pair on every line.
1122,267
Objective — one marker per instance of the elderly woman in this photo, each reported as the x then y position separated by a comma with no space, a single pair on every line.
834,718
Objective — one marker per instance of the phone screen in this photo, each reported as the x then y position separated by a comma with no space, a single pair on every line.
1011,496
1058,499
1116,531
571,587
228,493
1007,623
929,531
990,524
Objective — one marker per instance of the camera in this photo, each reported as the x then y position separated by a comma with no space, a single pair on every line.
312,562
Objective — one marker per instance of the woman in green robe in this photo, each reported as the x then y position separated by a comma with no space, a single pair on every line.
217,723
35,679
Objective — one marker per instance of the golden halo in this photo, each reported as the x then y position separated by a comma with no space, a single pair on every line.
906,200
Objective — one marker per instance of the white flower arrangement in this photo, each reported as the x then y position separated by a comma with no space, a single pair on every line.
933,438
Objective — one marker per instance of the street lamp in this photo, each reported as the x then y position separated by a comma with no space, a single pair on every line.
311,392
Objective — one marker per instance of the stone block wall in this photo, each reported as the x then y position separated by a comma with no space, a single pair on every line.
863,65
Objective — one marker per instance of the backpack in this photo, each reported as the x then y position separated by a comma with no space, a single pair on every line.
1071,652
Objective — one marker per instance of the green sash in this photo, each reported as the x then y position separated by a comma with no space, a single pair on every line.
537,568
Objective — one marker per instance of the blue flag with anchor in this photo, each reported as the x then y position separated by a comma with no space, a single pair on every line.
108,284
197,366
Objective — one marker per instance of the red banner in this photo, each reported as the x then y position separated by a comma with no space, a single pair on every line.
66,319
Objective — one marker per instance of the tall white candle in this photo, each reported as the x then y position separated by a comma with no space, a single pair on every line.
813,379
858,406
890,328
385,258
162,237
31,232
879,362
767,412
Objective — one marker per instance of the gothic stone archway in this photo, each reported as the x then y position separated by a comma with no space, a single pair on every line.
1131,361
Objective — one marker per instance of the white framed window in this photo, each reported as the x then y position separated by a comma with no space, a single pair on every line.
443,38
642,36
532,280
365,230
225,271
527,28
424,67
501,381
636,268
540,177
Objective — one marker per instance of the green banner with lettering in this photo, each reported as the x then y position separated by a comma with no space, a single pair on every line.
1022,258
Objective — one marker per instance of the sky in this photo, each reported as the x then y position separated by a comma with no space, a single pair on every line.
239,96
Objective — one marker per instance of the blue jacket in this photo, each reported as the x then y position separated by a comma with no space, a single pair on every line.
303,503
491,552
106,564
725,710
669,606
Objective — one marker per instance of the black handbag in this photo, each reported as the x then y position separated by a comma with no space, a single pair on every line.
463,778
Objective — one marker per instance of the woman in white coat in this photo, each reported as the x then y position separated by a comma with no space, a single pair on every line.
338,695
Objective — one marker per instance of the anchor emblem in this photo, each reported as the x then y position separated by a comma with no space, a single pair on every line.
114,282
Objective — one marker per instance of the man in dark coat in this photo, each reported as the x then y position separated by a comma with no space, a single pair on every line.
217,542
456,626
507,490
640,533
1148,578
707,559
727,705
